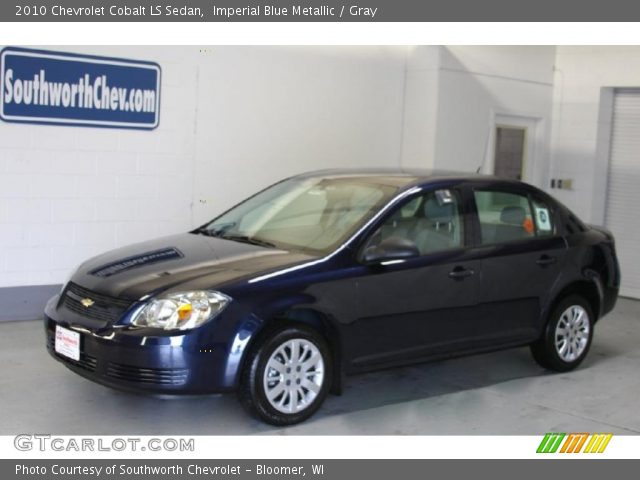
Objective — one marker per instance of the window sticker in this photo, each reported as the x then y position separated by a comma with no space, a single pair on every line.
528,225
444,197
543,218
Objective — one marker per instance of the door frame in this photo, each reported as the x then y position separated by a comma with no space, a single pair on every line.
533,142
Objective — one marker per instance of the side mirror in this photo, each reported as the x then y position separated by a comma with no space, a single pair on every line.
392,248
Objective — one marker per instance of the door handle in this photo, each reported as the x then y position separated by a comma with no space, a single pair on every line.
459,273
546,260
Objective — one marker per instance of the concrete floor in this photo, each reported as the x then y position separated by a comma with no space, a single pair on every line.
500,393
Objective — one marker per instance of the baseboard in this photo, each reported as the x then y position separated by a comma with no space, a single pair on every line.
25,303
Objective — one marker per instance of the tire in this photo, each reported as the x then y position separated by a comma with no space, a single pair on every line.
574,313
264,390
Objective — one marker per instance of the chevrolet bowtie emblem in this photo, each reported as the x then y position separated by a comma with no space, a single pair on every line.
87,302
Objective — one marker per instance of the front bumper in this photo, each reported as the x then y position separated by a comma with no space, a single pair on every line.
202,360
131,361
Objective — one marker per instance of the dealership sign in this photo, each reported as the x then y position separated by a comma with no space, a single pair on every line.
68,89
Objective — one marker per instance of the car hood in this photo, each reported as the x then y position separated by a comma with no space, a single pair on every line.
187,260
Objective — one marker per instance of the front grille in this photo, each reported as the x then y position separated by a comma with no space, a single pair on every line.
104,309
87,362
160,376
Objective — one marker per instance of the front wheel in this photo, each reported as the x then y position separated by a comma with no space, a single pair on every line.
287,377
567,337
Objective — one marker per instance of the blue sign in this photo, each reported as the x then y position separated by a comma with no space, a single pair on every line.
68,89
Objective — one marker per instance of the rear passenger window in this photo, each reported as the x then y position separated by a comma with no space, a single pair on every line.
504,217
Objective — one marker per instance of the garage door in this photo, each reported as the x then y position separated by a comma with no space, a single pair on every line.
623,194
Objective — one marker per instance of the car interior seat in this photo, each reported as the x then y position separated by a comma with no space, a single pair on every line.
512,224
437,229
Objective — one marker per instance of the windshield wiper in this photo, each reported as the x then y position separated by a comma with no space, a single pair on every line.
215,232
220,233
247,239
204,231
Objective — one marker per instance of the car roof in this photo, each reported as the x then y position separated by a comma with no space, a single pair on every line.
405,178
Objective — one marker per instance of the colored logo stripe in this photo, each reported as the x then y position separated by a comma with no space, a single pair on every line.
598,442
574,442
550,443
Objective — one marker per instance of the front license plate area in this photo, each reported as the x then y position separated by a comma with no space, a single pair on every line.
67,343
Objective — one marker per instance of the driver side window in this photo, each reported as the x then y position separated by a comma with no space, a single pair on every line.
432,221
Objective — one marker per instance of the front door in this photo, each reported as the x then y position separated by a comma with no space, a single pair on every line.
421,306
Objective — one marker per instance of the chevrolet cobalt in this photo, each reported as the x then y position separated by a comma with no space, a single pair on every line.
333,273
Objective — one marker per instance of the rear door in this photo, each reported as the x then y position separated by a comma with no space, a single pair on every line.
521,256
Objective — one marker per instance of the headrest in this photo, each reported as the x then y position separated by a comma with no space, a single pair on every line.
513,215
437,213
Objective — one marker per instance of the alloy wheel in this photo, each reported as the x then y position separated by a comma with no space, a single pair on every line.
293,375
572,333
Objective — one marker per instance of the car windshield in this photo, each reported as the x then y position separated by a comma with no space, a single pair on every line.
308,214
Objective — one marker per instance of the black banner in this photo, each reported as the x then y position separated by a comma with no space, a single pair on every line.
317,11
321,469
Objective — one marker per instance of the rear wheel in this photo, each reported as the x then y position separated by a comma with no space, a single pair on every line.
567,336
287,377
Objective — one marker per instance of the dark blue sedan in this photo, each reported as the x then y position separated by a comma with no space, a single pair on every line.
333,273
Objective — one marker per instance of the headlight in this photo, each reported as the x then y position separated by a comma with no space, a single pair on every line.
181,311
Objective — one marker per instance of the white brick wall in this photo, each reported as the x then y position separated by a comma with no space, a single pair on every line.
67,193
234,119
269,112
248,114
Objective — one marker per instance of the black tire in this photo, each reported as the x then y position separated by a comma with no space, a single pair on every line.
251,391
544,350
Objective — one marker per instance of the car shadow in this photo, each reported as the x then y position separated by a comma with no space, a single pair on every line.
223,415
421,381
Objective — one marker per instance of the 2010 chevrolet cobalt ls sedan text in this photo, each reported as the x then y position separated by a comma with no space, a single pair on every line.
333,273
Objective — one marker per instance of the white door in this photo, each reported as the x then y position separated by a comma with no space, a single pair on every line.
623,192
